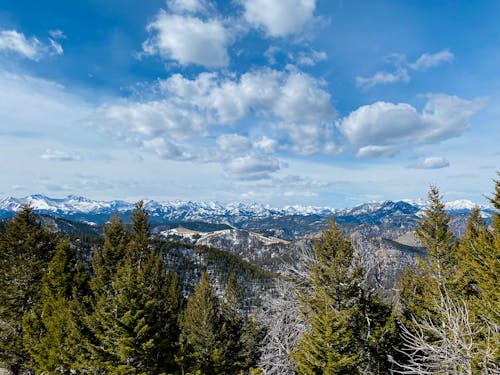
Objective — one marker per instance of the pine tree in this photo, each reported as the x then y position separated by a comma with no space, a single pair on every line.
134,323
331,308
420,289
53,332
26,248
107,259
201,347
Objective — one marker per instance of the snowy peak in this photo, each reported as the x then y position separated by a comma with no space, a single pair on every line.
459,205
84,209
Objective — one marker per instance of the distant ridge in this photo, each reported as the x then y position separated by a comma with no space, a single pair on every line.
81,208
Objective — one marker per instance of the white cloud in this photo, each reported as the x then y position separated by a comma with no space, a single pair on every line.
383,78
432,162
58,50
424,62
252,167
311,58
58,155
13,41
279,18
295,113
388,124
376,152
233,143
188,6
266,145
429,60
188,40
57,34
294,102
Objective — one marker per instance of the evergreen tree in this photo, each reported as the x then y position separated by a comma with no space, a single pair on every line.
53,332
419,289
138,247
331,309
200,339
26,248
133,323
240,335
107,259
351,330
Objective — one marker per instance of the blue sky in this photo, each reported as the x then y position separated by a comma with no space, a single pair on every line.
281,102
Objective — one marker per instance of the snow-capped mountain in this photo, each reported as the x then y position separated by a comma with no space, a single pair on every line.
172,210
288,222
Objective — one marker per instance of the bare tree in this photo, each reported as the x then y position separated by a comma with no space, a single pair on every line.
283,318
450,346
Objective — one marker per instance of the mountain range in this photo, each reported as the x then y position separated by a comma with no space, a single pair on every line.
290,222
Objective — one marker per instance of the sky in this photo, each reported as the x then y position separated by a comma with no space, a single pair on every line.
324,103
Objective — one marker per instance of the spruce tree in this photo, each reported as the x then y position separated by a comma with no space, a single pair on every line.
240,334
53,332
419,289
107,259
434,234
26,248
201,346
133,323
331,309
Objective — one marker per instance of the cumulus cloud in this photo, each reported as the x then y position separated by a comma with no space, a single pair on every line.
432,60
279,18
432,162
294,110
188,40
251,167
58,155
389,124
295,103
12,41
233,143
266,144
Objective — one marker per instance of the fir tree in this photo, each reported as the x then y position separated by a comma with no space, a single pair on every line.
53,332
26,248
107,259
434,233
200,339
418,289
134,324
351,330
240,334
331,309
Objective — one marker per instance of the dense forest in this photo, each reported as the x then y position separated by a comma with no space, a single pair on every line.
128,309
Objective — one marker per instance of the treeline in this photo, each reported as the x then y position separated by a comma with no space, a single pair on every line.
125,315
128,315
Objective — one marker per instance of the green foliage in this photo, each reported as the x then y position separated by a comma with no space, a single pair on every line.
25,250
135,319
200,340
419,288
107,259
53,332
350,331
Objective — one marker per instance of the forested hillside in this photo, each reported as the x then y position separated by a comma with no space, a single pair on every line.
131,302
